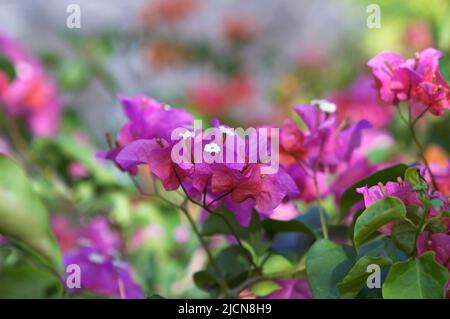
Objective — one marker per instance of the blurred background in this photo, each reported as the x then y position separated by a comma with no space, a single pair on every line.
245,62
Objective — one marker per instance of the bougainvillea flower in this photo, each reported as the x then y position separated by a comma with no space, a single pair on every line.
418,35
345,177
437,242
291,289
182,234
31,95
66,234
267,190
417,80
103,274
392,189
328,142
150,119
442,176
400,190
360,102
77,170
148,132
392,76
97,233
147,233
305,183
155,153
101,235
291,143
285,211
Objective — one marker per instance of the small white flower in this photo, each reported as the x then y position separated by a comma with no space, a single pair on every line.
212,148
186,135
226,130
325,105
96,258
167,107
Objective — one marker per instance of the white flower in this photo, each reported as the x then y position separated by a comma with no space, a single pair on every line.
212,148
167,107
226,130
325,105
96,258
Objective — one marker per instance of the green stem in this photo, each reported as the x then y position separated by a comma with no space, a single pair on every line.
411,126
323,221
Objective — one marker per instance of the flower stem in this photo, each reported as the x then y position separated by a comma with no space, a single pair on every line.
323,220
411,126
422,155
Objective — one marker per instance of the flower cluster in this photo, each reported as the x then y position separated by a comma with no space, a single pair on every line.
417,80
31,95
95,249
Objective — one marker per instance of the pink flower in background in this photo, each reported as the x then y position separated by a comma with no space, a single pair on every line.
238,28
437,242
418,36
5,148
285,211
97,233
181,234
214,96
94,248
360,102
442,176
66,234
100,234
305,183
32,95
150,232
345,177
417,80
77,170
103,274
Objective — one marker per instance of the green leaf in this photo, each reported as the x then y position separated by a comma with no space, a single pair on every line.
272,227
376,215
24,280
351,197
413,178
215,225
233,263
205,281
276,264
414,213
264,288
326,265
383,247
7,67
23,218
356,278
420,278
435,225
73,74
404,236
